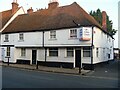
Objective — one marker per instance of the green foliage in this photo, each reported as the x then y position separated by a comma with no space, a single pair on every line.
98,16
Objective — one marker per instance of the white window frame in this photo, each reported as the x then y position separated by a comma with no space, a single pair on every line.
6,38
8,52
21,37
73,33
53,50
23,52
69,50
53,34
86,50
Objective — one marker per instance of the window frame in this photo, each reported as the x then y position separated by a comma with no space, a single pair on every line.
8,52
70,50
23,52
53,34
97,52
53,52
21,37
86,50
6,38
73,33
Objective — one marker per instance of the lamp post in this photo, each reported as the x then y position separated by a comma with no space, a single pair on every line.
8,57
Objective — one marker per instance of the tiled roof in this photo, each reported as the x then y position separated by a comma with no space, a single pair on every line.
5,17
47,19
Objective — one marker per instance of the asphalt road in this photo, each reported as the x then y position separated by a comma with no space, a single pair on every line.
18,78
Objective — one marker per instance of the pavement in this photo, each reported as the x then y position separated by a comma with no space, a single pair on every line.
48,69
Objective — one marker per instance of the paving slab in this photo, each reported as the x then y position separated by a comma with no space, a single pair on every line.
48,69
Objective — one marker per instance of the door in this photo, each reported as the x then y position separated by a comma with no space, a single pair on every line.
77,58
34,56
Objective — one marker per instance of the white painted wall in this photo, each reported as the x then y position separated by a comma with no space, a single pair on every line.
27,57
19,12
63,39
41,55
12,51
102,41
30,39
34,39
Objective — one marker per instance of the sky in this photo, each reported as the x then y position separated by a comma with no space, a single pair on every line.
110,6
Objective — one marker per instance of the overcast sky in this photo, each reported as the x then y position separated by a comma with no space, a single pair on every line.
110,6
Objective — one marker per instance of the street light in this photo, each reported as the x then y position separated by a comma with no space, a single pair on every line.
8,57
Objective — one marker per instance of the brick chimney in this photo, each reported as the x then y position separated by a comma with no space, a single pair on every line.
14,6
30,10
53,4
104,20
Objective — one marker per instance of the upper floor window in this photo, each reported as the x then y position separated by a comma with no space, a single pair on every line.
21,36
23,52
53,52
6,38
86,52
52,34
73,33
70,52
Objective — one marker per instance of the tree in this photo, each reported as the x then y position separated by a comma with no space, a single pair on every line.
98,16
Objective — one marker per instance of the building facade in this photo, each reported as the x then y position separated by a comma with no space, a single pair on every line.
57,37
6,17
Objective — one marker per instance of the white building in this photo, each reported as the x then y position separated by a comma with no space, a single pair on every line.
6,17
58,36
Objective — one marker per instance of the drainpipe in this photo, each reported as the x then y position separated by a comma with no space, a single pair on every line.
43,39
92,46
43,47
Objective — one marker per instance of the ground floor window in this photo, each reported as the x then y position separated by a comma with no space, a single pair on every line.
8,51
86,52
53,52
70,52
97,52
23,52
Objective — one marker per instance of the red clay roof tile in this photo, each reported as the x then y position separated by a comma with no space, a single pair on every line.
49,19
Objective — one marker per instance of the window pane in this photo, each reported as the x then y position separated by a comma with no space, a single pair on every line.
21,36
52,34
97,51
53,51
70,52
8,51
23,51
86,52
6,37
73,33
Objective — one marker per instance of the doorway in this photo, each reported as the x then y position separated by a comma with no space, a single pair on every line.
77,58
34,56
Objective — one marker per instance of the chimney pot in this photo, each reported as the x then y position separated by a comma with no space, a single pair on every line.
53,4
30,10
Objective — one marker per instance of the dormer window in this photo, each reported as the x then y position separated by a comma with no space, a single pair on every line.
73,33
6,38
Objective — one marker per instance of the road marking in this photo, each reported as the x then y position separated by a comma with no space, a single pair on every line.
102,77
